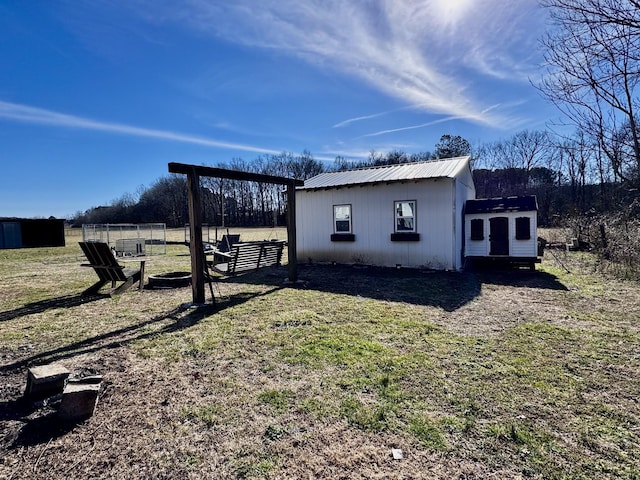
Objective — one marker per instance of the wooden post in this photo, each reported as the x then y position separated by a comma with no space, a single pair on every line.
195,244
221,206
195,214
291,232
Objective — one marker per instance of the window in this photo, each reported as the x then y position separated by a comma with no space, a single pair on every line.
405,212
342,218
477,229
523,228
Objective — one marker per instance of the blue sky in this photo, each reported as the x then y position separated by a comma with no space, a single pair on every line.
96,97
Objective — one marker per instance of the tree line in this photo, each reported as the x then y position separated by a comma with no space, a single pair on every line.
568,177
240,203
224,202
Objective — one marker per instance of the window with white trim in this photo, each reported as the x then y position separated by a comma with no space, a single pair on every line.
405,216
342,218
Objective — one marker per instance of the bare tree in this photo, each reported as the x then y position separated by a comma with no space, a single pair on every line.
576,161
517,155
528,149
304,166
600,12
593,59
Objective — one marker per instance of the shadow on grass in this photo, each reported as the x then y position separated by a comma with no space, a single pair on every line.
519,278
34,428
183,316
446,290
66,301
42,429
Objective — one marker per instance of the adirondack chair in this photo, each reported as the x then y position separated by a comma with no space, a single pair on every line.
108,269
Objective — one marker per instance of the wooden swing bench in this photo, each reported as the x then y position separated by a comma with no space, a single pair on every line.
244,257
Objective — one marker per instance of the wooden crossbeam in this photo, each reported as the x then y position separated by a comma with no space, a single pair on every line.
203,171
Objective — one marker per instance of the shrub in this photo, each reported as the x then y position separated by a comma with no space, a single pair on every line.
615,238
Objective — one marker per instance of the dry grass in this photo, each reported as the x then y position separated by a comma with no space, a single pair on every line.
475,375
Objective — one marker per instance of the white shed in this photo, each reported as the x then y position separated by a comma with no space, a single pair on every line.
408,215
502,229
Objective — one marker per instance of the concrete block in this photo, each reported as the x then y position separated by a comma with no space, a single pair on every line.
78,401
45,381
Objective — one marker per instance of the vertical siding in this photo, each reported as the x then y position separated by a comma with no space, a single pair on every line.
440,224
464,190
10,235
373,223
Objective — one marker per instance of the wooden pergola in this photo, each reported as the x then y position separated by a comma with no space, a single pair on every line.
193,173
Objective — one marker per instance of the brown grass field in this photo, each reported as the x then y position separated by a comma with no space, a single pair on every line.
474,375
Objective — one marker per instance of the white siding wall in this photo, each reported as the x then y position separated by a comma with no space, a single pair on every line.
373,223
517,248
464,190
476,248
524,248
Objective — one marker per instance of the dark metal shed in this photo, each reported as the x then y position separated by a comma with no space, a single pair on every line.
31,233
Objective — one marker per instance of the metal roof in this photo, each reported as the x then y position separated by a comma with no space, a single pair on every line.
447,168
524,203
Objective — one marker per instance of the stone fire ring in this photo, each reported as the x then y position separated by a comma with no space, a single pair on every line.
169,280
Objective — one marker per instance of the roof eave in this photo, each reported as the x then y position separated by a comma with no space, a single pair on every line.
372,183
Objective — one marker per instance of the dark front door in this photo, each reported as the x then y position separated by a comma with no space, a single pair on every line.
499,236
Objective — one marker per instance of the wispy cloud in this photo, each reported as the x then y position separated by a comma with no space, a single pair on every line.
361,118
34,115
349,121
411,127
422,52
